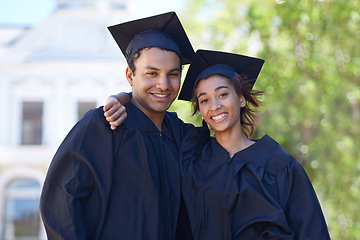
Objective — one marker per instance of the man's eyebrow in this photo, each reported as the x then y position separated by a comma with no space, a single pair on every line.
152,68
176,69
157,69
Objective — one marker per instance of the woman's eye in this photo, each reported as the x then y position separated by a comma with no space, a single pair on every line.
204,101
223,95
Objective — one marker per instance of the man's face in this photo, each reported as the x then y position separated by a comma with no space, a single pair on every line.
156,81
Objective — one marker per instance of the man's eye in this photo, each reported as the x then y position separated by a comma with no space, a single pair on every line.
151,73
174,74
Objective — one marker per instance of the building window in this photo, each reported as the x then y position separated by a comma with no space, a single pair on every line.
21,211
84,107
32,125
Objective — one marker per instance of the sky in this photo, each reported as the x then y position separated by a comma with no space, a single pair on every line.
24,12
31,12
152,7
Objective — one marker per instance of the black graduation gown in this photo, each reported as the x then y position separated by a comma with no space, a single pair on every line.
122,184
262,192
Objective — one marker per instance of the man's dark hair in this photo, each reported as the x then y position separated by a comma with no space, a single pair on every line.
132,57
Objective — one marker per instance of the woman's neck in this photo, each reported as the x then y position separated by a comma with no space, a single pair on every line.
233,141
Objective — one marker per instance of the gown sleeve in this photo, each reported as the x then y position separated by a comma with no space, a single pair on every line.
76,189
300,203
194,139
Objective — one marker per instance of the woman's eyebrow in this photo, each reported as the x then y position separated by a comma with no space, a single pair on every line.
201,94
220,87
216,89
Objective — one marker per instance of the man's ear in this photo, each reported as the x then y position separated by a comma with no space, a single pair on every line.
129,75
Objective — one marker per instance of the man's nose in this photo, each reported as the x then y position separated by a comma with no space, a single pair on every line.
163,82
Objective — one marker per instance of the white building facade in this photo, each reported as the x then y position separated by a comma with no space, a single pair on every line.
50,75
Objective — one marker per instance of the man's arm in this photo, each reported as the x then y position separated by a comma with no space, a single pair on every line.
75,193
114,109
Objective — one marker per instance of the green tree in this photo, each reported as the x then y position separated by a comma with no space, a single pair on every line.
311,79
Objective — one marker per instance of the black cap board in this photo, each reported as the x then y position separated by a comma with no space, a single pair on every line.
208,62
164,31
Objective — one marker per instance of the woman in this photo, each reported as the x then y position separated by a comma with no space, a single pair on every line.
235,187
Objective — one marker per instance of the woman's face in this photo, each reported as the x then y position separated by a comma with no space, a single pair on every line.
219,103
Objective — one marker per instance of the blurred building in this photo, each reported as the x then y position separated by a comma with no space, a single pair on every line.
50,75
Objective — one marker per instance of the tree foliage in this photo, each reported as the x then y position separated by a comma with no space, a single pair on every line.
311,79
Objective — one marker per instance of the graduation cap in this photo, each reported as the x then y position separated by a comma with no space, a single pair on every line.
207,63
164,31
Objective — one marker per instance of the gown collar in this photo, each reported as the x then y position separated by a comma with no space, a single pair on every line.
138,119
256,153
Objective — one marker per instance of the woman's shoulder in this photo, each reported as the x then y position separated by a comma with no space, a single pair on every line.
269,154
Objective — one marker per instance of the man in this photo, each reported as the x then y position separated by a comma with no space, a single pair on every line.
125,184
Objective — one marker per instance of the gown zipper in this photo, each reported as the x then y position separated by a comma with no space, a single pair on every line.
228,164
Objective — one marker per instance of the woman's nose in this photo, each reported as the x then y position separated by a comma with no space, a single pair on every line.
215,104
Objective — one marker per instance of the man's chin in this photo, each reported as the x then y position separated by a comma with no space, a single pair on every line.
161,107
